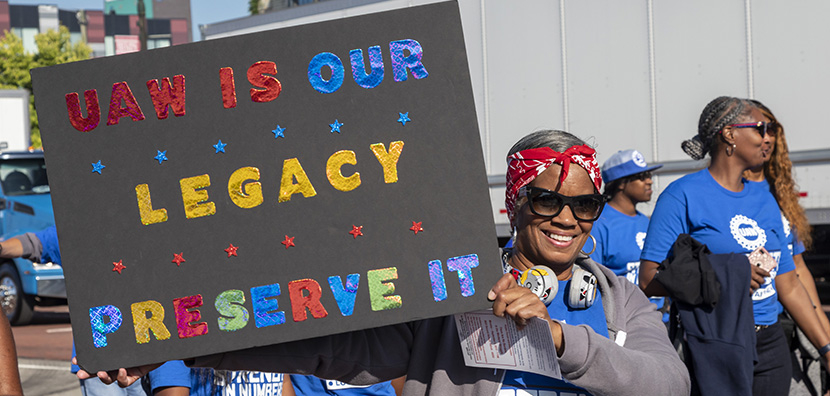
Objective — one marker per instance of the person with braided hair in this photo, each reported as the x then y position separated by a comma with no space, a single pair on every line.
776,176
720,209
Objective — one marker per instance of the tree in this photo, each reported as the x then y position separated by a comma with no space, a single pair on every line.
253,7
54,47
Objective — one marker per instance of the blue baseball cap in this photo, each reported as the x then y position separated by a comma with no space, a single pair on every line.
625,163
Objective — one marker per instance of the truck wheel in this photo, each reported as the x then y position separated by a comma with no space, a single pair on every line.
17,306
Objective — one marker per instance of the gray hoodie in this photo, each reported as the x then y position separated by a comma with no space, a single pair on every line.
428,352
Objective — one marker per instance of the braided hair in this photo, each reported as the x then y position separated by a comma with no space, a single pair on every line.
716,115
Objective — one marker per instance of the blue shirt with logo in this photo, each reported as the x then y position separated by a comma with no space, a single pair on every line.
311,385
204,382
619,242
727,222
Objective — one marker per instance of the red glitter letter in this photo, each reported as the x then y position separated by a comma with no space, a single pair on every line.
73,107
228,87
167,95
300,302
258,76
184,317
121,91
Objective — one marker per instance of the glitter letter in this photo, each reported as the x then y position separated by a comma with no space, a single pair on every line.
229,305
121,92
389,161
464,266
359,70
143,324
228,87
259,76
265,305
101,329
167,95
345,296
245,195
333,171
413,61
195,201
300,301
291,170
93,111
436,277
186,315
145,206
380,291
337,72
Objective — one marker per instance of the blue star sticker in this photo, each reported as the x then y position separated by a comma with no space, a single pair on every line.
161,156
220,147
97,167
404,117
278,133
336,126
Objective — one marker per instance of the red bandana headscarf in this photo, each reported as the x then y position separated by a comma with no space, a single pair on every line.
526,165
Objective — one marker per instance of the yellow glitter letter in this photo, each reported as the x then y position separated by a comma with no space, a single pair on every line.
291,170
144,324
389,161
333,171
245,195
380,291
145,206
195,202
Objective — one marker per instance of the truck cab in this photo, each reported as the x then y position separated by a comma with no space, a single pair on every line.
26,206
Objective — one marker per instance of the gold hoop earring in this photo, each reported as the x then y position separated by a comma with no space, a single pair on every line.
592,250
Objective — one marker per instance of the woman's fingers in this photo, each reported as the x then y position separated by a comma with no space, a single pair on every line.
758,275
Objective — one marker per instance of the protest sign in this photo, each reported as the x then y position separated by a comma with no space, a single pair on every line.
269,187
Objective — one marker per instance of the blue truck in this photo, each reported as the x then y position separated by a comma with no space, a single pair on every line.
26,206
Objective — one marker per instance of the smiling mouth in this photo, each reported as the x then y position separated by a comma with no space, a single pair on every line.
559,238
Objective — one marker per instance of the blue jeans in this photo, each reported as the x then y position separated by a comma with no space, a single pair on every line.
94,387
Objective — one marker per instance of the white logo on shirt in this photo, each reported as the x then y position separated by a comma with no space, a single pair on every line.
641,239
747,233
786,225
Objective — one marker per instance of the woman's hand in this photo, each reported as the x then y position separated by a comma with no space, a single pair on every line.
520,304
124,377
758,275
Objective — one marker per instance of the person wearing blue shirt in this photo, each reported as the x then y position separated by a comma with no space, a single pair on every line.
717,207
175,379
42,247
620,231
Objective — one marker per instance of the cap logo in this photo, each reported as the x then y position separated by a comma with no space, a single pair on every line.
639,160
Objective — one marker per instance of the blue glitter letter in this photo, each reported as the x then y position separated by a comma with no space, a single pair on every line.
359,71
101,329
345,295
265,305
413,61
436,276
337,72
464,265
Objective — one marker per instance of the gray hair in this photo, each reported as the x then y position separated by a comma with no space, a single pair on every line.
555,139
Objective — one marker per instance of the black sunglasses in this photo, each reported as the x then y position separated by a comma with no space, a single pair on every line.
763,128
549,203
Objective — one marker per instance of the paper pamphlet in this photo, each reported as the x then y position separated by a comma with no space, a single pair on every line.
489,341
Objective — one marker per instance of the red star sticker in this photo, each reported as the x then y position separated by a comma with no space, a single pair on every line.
117,266
178,258
356,231
231,250
416,227
288,242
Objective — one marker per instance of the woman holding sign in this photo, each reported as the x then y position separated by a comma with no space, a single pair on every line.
604,330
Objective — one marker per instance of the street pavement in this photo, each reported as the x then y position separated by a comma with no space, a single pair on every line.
47,377
43,351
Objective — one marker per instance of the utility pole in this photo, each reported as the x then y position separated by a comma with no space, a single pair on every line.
142,25
82,21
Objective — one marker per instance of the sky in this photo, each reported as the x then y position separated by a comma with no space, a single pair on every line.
202,12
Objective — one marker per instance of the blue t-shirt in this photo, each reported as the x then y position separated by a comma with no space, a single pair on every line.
619,243
310,385
727,222
593,316
203,382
